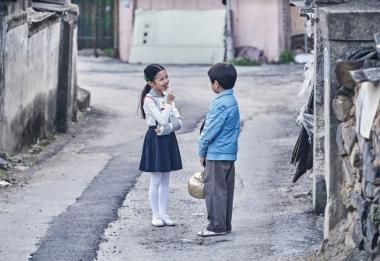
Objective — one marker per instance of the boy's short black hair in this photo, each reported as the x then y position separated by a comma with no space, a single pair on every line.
224,73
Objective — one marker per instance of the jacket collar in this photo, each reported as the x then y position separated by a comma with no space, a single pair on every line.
224,93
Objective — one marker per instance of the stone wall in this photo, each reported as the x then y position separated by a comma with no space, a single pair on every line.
357,235
345,159
36,58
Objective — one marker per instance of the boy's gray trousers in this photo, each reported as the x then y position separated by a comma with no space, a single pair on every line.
219,194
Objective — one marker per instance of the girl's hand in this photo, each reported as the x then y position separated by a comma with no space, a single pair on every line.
170,97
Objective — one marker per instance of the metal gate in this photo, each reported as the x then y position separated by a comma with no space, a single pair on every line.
96,23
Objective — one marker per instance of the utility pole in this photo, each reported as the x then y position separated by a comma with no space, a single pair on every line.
230,53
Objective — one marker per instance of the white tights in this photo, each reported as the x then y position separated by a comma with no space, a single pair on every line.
159,193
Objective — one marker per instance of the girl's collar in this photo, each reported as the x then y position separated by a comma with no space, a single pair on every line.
154,93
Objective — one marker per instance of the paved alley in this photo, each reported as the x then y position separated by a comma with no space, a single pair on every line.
89,202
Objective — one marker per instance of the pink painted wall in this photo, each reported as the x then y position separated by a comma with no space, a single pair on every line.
256,23
125,30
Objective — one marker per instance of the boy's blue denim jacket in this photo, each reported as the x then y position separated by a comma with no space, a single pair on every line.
219,137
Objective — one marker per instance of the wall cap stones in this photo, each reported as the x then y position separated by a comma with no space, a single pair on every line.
15,20
38,21
350,21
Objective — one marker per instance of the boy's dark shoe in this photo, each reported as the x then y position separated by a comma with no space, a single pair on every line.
208,233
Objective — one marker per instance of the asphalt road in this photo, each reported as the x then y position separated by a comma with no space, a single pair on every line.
89,201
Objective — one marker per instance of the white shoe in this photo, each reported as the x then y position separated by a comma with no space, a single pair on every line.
167,221
208,233
157,222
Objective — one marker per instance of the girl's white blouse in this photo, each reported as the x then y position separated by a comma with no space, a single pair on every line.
157,109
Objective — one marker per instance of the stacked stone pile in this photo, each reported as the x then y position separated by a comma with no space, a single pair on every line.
359,156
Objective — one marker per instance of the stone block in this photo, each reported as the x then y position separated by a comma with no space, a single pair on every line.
355,21
369,190
347,170
342,106
358,188
363,183
372,74
376,125
363,210
377,176
372,233
361,173
349,138
335,212
358,76
339,140
361,142
376,200
83,99
353,203
343,75
367,75
344,91
369,171
354,235
356,156
376,161
369,174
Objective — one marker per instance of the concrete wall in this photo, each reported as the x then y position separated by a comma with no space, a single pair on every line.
257,23
31,52
31,80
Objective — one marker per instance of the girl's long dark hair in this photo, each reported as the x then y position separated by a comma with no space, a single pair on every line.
150,73
144,92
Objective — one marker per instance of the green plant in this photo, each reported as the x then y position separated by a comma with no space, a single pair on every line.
375,214
108,51
47,140
241,61
3,174
286,57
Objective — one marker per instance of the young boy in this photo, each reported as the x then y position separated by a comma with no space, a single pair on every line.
218,144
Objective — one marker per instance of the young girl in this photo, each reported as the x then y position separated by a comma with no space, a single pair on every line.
160,153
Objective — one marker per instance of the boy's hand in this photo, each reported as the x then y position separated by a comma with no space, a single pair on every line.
202,161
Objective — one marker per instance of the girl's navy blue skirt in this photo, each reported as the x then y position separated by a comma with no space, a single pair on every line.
160,153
